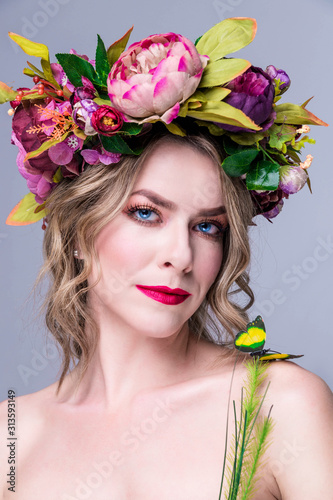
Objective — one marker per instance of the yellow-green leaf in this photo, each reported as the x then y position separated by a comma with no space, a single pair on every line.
296,115
45,146
79,133
118,47
175,129
24,212
48,73
221,112
29,47
215,94
58,176
213,129
102,102
222,71
6,93
227,37
37,50
28,72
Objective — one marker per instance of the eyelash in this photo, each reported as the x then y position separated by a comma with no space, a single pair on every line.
134,208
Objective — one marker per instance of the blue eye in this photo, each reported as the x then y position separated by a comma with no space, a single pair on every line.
206,230
143,215
144,212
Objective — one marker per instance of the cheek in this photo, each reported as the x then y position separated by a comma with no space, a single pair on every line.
210,263
122,254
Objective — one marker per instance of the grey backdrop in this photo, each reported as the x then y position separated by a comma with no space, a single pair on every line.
293,257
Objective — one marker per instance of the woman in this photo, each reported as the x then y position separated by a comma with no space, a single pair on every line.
143,413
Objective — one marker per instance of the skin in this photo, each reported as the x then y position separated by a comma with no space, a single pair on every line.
148,420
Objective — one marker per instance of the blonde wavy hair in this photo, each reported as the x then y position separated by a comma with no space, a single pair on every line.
78,210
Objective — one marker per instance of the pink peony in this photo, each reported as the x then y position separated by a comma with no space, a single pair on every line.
154,76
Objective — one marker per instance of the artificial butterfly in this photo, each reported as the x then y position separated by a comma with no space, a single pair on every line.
253,341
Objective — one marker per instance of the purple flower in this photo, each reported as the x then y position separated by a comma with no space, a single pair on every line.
274,211
83,111
96,156
292,178
265,202
87,91
253,93
279,74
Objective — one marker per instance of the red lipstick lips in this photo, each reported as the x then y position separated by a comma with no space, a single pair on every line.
169,296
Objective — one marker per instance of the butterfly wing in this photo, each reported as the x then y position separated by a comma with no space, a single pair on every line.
253,339
278,355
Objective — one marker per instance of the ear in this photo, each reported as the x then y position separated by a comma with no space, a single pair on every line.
78,252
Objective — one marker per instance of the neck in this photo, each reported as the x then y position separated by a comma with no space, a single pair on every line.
129,362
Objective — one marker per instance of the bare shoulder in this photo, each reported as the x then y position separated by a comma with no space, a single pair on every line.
302,442
27,412
295,387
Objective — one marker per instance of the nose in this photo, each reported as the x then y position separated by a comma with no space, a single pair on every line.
176,249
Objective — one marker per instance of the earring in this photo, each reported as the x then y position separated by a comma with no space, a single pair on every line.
76,253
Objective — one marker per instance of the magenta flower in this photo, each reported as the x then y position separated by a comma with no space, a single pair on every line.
154,76
63,152
106,120
39,171
99,155
253,93
39,183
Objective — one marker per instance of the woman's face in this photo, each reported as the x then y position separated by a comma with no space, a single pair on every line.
168,235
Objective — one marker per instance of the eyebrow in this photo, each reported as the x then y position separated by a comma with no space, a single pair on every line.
162,202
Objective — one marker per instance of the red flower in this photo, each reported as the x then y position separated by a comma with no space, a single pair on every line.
106,120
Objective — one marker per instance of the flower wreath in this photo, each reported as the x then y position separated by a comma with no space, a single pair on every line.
81,111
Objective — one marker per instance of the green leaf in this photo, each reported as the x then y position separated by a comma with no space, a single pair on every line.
296,115
24,212
75,67
230,147
280,134
102,63
222,71
263,176
116,144
221,112
6,93
238,164
131,128
227,37
114,51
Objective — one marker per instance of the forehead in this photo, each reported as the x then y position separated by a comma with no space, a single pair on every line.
182,173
